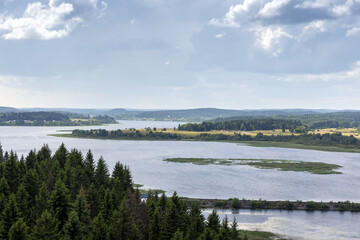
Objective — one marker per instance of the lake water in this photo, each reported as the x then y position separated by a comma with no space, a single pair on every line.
145,159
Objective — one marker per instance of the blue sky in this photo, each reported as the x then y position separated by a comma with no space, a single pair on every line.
180,53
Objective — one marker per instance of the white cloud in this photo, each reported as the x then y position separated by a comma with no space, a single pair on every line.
41,22
238,14
167,63
57,19
220,35
271,9
315,26
353,32
270,39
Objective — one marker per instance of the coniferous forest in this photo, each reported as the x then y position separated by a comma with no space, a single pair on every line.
66,195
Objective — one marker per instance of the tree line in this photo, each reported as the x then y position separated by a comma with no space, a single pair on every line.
51,119
68,196
327,139
243,125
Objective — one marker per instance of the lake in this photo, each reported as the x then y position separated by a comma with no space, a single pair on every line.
145,159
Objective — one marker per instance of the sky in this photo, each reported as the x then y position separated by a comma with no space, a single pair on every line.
177,54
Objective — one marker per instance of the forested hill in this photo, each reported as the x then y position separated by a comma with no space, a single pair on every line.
203,114
243,125
315,120
67,196
51,119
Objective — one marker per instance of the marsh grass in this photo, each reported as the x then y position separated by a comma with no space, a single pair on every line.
281,165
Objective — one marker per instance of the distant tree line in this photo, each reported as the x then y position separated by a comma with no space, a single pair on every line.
69,196
313,120
335,139
243,125
51,119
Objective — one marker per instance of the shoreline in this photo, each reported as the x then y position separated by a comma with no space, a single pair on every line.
274,205
247,143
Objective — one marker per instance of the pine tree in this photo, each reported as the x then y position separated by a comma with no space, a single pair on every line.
82,209
208,234
107,206
30,159
19,231
93,199
2,159
32,184
179,235
90,166
4,187
99,228
234,233
9,216
42,200
214,222
11,172
196,222
61,155
22,168
45,227
122,225
60,203
102,173
22,200
154,228
72,228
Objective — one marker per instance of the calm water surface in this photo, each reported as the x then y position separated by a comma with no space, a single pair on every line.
145,159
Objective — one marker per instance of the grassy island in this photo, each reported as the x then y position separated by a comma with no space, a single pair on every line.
281,165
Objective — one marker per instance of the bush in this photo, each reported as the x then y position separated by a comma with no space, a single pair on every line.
235,203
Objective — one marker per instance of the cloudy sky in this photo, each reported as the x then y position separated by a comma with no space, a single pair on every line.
180,53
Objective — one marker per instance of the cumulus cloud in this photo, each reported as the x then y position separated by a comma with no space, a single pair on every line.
57,19
272,21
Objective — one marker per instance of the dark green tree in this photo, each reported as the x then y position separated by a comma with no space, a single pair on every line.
178,235
122,225
214,222
12,172
60,203
196,222
72,228
8,217
45,227
102,173
19,231
99,228
61,155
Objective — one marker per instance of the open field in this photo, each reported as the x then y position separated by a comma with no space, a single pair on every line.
281,165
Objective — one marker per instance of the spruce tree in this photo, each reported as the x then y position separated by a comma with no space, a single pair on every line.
214,222
60,203
90,166
102,173
61,155
208,234
45,227
11,172
122,225
99,228
234,233
30,159
196,222
72,228
154,228
22,200
82,209
19,231
2,159
9,216
179,235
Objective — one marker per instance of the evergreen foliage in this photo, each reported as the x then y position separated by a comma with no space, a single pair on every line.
64,196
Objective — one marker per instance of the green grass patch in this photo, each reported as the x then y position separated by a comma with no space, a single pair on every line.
281,165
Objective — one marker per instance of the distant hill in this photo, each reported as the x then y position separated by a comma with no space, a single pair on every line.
8,110
203,114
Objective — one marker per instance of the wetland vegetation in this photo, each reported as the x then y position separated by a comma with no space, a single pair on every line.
281,165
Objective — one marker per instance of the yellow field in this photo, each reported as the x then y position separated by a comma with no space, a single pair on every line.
344,131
